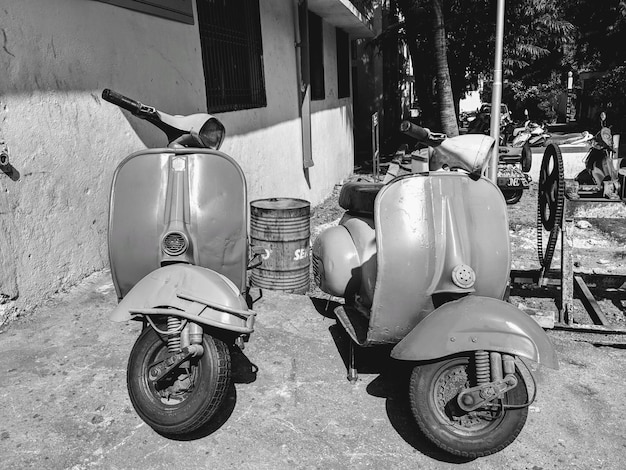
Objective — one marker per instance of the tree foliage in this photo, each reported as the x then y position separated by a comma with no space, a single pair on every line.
600,33
610,90
544,39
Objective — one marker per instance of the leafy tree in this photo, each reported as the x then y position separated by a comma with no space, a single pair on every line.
536,34
537,42
611,88
609,92
598,47
544,40
444,85
601,33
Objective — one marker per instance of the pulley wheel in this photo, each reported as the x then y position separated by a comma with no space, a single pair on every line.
551,203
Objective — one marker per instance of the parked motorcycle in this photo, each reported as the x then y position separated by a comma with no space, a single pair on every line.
423,264
532,133
513,179
178,252
601,168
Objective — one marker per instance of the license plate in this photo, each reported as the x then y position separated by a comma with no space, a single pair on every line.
511,182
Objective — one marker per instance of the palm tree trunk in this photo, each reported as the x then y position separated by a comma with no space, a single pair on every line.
444,85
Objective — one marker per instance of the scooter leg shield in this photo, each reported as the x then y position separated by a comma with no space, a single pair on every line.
476,323
191,292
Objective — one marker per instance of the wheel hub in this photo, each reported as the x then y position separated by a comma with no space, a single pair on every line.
449,386
178,391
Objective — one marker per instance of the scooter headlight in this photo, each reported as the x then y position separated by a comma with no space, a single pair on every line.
175,243
212,133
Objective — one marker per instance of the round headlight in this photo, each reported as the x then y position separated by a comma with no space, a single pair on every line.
212,134
174,243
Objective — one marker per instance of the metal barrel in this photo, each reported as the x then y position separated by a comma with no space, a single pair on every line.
282,226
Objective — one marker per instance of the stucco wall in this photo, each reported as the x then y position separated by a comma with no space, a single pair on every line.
64,141
267,142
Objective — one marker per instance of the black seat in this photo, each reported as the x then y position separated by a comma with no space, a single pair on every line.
358,196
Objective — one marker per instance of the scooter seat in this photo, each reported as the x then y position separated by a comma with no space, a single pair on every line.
358,196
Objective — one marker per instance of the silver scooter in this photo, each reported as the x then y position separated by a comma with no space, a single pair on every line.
178,251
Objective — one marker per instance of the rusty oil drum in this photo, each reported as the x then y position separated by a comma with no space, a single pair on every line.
282,226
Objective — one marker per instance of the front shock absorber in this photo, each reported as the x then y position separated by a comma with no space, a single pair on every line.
483,374
173,334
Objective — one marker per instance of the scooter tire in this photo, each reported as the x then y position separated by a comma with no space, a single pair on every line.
433,392
512,196
527,158
211,374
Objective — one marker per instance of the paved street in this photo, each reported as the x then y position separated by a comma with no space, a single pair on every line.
65,405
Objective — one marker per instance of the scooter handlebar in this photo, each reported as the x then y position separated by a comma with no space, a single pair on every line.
415,131
122,101
421,134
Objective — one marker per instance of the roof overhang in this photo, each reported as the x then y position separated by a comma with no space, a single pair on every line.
344,15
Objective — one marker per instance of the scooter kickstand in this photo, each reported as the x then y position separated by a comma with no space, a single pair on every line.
353,374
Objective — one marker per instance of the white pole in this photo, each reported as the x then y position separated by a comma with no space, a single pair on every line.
496,92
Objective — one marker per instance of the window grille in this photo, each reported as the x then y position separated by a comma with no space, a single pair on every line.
232,54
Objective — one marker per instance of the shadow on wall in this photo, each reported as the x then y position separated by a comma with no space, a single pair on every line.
56,58
65,47
69,46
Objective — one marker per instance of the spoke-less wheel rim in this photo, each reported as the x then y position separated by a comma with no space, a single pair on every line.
550,204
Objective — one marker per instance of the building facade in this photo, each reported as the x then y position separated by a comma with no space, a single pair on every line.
273,71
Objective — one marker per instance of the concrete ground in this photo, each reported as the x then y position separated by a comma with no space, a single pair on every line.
65,404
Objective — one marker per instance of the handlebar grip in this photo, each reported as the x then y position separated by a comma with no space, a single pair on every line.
414,131
121,101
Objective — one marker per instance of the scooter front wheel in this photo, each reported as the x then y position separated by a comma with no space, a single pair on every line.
186,399
434,388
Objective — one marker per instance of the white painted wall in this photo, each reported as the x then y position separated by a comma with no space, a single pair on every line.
64,141
267,142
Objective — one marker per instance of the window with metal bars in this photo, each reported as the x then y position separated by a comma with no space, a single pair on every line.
232,54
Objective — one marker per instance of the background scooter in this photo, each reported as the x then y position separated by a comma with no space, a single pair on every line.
178,251
533,134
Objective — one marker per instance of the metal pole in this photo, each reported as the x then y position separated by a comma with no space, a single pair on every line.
496,92
570,86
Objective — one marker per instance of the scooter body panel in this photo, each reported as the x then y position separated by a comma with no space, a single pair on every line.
336,262
477,323
191,292
197,192
426,226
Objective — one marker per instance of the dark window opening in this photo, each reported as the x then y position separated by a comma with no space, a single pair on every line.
232,54
316,57
343,64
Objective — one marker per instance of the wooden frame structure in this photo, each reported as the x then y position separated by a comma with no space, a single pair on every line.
565,284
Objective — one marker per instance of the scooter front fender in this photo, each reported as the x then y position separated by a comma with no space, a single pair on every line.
475,323
190,292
